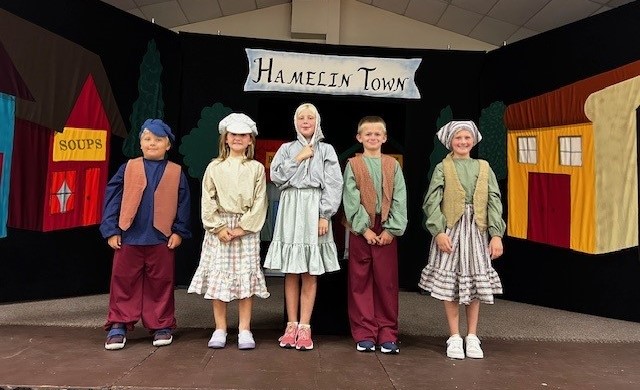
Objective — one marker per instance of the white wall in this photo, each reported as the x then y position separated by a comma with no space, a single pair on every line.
360,24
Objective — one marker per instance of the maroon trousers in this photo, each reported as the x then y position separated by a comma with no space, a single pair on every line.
142,285
373,289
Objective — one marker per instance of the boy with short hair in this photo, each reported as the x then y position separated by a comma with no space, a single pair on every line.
375,205
146,216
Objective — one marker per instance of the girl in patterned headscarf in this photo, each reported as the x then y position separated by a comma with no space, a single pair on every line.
464,216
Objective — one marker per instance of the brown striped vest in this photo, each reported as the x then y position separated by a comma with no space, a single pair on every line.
364,183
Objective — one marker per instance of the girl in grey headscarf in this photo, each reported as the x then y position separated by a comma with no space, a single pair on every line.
308,173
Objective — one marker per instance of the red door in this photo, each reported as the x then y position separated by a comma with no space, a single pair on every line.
92,205
549,220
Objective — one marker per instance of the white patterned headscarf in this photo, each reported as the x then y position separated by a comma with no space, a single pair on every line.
318,135
448,131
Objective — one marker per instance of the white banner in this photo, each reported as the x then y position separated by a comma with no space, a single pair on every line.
329,74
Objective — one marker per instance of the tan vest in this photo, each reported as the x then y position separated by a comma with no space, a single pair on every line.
165,199
368,194
454,194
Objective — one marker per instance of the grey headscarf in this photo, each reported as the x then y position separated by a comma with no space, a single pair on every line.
448,131
318,135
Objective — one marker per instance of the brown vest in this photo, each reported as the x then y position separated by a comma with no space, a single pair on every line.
165,198
368,193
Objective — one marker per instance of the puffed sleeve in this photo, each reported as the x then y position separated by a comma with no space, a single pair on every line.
211,220
435,221
332,186
181,225
284,168
112,201
253,219
354,211
496,224
397,221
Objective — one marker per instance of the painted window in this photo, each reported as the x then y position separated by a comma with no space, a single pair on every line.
527,150
62,192
570,151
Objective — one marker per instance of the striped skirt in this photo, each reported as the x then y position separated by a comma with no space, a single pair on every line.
466,273
230,270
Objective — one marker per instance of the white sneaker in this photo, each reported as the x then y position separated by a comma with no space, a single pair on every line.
473,347
218,339
245,340
454,347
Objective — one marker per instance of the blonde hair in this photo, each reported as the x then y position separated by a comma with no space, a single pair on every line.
224,151
310,107
372,119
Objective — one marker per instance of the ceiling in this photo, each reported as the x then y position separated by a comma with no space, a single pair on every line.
492,21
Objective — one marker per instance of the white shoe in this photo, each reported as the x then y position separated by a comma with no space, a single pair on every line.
454,347
245,340
473,347
218,339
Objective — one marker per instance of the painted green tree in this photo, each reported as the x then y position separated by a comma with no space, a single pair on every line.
149,103
493,147
200,146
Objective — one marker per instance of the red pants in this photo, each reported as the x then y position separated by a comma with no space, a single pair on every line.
373,289
142,285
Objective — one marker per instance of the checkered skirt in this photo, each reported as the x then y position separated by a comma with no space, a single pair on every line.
230,271
466,273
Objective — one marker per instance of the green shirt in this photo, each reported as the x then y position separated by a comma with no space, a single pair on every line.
467,170
354,211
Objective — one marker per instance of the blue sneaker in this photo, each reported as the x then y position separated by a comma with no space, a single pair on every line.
116,338
365,346
389,347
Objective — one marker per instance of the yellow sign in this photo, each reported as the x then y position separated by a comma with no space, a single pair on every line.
75,144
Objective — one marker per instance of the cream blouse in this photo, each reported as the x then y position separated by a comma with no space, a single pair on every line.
234,185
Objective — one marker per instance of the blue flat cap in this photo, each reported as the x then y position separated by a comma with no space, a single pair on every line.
158,127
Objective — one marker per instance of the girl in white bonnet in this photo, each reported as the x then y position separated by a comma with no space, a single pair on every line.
234,208
464,215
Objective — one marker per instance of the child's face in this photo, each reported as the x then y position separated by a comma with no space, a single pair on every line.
371,136
306,123
462,143
238,143
154,147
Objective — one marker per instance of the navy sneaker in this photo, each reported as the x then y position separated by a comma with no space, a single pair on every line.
365,346
389,347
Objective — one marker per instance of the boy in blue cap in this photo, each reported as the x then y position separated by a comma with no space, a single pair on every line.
146,217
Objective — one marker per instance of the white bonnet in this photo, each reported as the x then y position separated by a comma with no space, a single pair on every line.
448,131
237,124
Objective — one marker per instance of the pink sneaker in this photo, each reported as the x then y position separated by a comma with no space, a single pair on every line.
288,339
304,342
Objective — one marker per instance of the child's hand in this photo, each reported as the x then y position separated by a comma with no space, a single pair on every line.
385,238
370,236
443,241
495,247
323,226
237,232
115,241
224,235
305,153
174,241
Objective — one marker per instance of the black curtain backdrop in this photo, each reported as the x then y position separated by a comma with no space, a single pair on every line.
215,69
78,261
605,285
200,70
